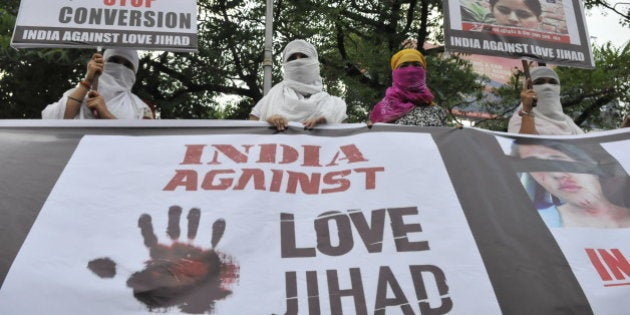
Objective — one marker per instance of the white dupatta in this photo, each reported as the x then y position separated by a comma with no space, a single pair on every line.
300,95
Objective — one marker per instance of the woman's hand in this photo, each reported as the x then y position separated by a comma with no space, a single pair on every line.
312,122
528,98
94,67
278,121
96,102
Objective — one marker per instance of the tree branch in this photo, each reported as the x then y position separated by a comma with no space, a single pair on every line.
593,108
192,87
422,31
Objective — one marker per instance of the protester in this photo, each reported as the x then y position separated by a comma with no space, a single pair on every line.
116,70
300,96
579,193
540,111
409,100
517,13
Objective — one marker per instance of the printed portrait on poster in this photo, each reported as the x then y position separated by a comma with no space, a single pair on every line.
573,185
512,16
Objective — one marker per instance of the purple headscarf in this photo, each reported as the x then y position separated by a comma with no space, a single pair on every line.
409,89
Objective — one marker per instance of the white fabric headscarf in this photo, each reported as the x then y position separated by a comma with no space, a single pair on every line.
114,84
300,95
548,115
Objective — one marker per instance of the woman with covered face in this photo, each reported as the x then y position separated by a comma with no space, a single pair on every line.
517,13
300,96
409,101
116,70
540,111
578,192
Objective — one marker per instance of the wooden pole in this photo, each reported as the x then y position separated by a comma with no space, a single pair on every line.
99,50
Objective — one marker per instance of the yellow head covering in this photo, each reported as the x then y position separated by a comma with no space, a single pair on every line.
407,55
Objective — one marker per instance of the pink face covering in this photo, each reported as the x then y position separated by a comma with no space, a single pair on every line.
409,89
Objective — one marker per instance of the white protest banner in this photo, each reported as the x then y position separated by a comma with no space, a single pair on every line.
138,24
550,31
222,217
251,224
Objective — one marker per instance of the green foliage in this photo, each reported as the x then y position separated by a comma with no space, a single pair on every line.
6,22
30,79
596,98
502,102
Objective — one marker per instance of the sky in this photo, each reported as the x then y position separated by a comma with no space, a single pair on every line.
603,28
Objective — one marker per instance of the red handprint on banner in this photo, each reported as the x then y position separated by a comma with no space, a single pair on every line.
180,274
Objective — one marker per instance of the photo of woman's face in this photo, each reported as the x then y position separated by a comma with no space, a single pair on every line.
577,188
515,13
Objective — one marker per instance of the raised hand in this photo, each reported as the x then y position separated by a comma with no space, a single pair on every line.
94,67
